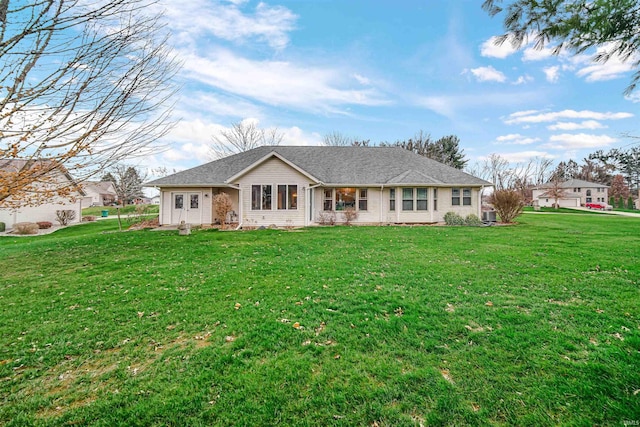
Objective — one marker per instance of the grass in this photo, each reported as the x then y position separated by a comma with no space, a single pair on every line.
125,210
535,324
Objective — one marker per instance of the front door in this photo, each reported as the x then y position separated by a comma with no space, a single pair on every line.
186,207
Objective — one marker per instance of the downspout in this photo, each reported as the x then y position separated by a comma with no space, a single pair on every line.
381,203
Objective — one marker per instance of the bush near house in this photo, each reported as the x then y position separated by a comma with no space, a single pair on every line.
43,225
25,228
508,204
65,216
452,218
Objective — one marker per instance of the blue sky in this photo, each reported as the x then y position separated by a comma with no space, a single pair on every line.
384,70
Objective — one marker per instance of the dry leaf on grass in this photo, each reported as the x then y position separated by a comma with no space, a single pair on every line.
446,375
237,306
489,304
229,338
475,407
450,308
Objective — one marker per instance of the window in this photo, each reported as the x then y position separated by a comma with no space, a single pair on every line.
194,201
455,197
362,199
287,197
392,199
328,199
345,198
435,199
261,197
178,201
466,196
421,199
588,193
407,199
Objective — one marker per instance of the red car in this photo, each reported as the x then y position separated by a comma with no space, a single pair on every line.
601,206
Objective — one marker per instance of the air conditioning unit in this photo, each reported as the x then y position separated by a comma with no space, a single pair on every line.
489,216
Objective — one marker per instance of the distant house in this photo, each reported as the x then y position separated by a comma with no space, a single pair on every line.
577,192
299,186
99,193
155,200
40,203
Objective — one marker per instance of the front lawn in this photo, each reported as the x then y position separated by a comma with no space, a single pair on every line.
534,324
124,210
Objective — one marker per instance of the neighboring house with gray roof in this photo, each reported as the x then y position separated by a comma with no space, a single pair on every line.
99,193
297,186
577,192
41,201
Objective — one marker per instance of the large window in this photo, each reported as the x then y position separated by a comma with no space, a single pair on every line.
421,199
287,197
407,199
392,199
345,198
466,196
455,197
194,201
328,199
362,199
261,197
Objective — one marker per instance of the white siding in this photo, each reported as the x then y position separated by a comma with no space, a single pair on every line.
378,206
45,212
273,172
167,215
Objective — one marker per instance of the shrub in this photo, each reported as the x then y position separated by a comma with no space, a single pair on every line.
88,218
630,204
612,201
64,217
472,220
452,218
3,226
26,228
222,206
508,204
327,218
43,225
349,215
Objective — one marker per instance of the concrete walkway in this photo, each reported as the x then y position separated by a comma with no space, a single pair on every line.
632,214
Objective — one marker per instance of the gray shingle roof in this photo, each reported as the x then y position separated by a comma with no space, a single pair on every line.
332,165
574,183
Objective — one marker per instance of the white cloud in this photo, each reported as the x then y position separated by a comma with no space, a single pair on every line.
533,54
449,105
516,139
279,83
567,141
362,80
587,124
488,74
200,18
537,117
523,79
633,97
296,136
552,73
614,68
490,49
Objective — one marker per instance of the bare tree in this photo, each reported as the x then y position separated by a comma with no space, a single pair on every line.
83,84
243,136
128,182
337,139
555,191
222,206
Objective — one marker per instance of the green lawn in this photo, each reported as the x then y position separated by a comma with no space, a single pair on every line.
535,324
124,210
